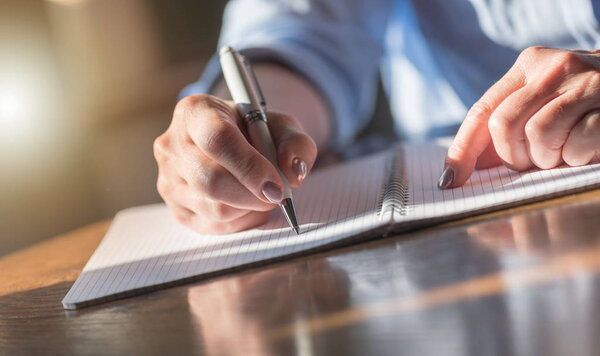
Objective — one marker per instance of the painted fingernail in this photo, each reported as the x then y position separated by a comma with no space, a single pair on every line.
272,192
299,168
446,178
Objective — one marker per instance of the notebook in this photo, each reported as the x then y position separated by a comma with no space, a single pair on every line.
389,192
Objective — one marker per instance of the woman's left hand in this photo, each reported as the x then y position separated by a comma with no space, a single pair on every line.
544,112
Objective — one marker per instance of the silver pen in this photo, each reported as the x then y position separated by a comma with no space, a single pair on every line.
246,93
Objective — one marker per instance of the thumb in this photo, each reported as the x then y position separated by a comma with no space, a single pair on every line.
296,151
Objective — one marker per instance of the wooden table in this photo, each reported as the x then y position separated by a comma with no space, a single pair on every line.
522,281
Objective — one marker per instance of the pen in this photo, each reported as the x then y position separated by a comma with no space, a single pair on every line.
246,93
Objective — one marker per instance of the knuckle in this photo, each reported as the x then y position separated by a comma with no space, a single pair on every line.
561,107
163,188
543,134
212,181
588,130
218,139
594,80
497,125
458,150
159,147
204,105
530,53
185,105
251,168
220,211
532,130
565,60
558,67
182,218
592,125
481,110
190,103
589,87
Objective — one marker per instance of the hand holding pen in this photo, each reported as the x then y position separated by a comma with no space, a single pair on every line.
251,103
211,176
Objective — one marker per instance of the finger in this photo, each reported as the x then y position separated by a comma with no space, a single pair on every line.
488,158
473,136
216,132
547,131
296,151
220,212
161,149
208,208
182,214
208,180
583,143
250,220
225,144
507,124
211,181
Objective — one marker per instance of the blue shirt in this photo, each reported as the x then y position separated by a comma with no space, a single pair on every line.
436,57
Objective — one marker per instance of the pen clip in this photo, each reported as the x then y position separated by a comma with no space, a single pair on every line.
252,75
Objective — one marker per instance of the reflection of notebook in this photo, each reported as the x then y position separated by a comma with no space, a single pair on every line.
146,249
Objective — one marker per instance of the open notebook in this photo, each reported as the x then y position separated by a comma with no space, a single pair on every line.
393,191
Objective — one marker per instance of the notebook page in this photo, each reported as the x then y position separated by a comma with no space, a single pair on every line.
146,248
486,189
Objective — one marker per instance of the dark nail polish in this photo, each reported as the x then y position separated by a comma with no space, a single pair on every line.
272,192
299,168
446,178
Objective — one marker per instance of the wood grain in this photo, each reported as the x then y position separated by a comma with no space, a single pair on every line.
60,259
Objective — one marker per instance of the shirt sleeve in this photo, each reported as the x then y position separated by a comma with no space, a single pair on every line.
335,44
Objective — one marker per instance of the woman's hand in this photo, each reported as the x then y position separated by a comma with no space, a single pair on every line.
210,176
543,112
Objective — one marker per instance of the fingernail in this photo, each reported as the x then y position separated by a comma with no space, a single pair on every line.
299,168
446,178
272,192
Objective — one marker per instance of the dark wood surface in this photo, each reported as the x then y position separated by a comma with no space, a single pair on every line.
518,282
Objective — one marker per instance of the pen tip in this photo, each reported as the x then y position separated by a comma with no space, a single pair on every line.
287,205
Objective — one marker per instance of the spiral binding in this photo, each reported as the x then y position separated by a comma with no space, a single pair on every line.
395,194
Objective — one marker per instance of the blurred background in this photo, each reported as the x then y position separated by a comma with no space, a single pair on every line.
85,87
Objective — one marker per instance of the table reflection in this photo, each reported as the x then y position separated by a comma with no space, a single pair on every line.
550,231
526,284
235,315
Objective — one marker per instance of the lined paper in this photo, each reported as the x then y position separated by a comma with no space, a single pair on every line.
145,248
486,190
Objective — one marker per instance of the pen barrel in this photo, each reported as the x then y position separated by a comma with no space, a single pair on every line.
260,138
244,90
238,81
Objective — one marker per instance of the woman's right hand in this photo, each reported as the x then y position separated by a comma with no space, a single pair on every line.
210,176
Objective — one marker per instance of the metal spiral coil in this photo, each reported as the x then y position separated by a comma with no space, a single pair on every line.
395,194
